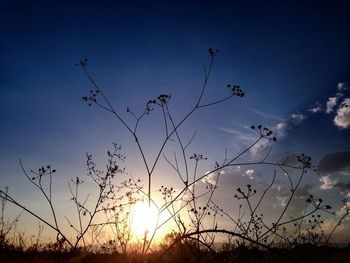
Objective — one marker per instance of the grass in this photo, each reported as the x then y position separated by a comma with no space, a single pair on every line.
183,253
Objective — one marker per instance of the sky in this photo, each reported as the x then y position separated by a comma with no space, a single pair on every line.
291,60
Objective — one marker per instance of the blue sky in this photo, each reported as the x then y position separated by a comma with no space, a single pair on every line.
291,59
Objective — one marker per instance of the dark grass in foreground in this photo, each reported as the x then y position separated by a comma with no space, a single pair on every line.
183,254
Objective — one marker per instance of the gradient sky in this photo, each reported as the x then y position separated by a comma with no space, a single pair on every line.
291,59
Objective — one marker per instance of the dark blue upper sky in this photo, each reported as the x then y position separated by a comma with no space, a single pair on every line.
289,58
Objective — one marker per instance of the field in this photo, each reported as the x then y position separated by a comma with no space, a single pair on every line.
183,253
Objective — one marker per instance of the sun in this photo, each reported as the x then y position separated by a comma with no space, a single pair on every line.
144,219
147,221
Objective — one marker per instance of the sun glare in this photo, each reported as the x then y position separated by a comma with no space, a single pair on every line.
144,219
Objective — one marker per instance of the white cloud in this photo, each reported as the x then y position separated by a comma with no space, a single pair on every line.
342,117
327,182
342,87
297,118
291,122
331,103
334,173
211,177
249,173
316,108
342,114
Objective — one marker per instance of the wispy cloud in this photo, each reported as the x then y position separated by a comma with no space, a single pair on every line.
280,130
239,134
288,124
266,115
245,138
316,108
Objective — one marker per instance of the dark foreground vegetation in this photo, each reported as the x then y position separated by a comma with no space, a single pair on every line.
182,253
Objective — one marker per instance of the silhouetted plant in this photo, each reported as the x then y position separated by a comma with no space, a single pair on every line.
191,207
111,198
7,225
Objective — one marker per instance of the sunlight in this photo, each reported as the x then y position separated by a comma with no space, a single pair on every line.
144,219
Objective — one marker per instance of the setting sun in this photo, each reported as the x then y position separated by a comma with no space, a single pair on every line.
147,220
144,219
